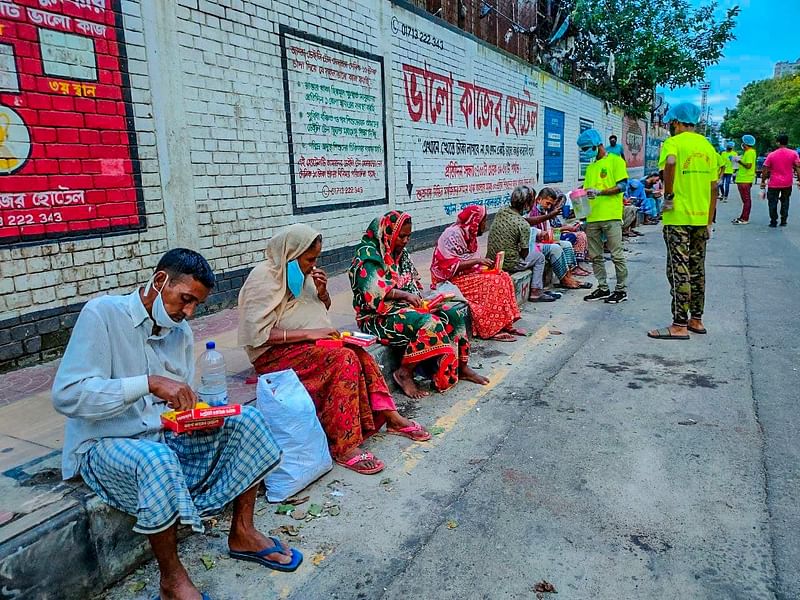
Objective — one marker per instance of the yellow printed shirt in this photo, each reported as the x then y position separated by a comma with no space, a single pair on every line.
747,175
727,156
602,174
696,168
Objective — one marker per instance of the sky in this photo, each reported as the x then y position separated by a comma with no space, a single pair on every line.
766,33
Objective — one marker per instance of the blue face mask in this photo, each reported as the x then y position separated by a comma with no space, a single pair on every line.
590,154
295,278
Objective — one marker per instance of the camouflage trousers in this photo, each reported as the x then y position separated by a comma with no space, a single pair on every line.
686,270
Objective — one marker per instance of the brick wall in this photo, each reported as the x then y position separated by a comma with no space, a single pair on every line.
181,136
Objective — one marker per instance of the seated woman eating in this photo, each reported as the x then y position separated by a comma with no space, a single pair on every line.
559,252
387,297
283,311
490,295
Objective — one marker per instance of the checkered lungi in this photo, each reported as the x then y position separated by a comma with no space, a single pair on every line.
186,477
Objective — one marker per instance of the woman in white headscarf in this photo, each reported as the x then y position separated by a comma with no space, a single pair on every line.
283,311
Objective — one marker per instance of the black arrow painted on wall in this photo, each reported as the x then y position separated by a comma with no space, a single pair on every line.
409,185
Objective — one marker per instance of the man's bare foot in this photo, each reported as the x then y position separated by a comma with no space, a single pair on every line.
405,379
252,540
696,326
178,586
672,332
466,373
568,281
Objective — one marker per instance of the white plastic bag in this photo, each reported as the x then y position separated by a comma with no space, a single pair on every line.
292,418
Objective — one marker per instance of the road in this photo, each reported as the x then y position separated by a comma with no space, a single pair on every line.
614,466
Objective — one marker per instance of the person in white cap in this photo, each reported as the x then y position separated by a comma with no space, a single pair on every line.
745,177
690,166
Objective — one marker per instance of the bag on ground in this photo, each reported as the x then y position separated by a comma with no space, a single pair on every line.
292,418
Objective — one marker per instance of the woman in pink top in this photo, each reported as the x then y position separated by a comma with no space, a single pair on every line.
779,169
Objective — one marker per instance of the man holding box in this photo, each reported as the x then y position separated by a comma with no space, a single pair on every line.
129,360
606,178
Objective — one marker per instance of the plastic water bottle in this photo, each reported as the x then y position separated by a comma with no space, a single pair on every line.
213,389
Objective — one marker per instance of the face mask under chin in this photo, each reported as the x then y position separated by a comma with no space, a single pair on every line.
160,315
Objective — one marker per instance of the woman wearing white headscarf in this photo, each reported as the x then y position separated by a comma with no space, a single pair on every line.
283,311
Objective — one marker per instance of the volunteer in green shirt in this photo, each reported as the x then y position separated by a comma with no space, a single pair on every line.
691,168
725,184
745,177
605,182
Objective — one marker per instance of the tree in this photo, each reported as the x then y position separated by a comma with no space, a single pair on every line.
765,110
624,49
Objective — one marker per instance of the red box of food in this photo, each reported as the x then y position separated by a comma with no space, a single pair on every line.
200,417
354,338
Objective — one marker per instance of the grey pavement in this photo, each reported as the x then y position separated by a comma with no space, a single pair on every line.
613,466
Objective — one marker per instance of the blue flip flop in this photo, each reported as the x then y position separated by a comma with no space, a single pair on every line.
261,557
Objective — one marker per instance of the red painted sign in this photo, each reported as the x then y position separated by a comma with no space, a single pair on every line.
68,162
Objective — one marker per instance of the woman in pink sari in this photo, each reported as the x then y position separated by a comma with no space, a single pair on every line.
490,295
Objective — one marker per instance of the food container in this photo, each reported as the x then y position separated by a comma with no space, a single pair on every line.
498,263
202,416
353,338
581,204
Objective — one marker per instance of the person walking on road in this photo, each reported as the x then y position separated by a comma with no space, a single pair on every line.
690,166
779,167
727,176
745,177
606,179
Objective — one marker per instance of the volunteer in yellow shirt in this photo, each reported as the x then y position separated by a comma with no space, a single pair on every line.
691,167
745,177
727,177
605,181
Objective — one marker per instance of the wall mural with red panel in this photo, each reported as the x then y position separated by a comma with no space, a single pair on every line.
68,160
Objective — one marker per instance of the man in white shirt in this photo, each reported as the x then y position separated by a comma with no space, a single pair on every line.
129,359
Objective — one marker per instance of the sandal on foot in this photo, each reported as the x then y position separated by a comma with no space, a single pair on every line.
702,331
414,432
666,334
364,456
260,557
517,332
542,298
503,337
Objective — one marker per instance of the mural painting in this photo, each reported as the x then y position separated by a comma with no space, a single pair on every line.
68,163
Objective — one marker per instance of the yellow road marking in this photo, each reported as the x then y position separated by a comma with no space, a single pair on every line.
448,420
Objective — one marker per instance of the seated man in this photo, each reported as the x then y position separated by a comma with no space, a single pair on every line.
653,188
643,209
130,359
510,233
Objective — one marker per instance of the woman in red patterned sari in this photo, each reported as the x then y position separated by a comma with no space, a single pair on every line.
283,311
491,298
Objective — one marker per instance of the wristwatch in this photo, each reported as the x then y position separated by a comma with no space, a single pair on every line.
669,197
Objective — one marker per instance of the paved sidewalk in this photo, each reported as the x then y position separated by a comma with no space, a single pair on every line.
31,431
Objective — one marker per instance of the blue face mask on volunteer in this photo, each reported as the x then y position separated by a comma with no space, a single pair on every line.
590,153
295,278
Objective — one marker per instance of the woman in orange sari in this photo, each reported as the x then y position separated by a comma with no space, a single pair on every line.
490,295
283,311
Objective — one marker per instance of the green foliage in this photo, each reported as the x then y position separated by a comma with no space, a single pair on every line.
653,43
765,110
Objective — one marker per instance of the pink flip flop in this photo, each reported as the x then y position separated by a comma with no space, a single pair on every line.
410,431
351,464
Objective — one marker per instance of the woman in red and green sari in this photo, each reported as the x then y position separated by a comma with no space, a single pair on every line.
387,297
